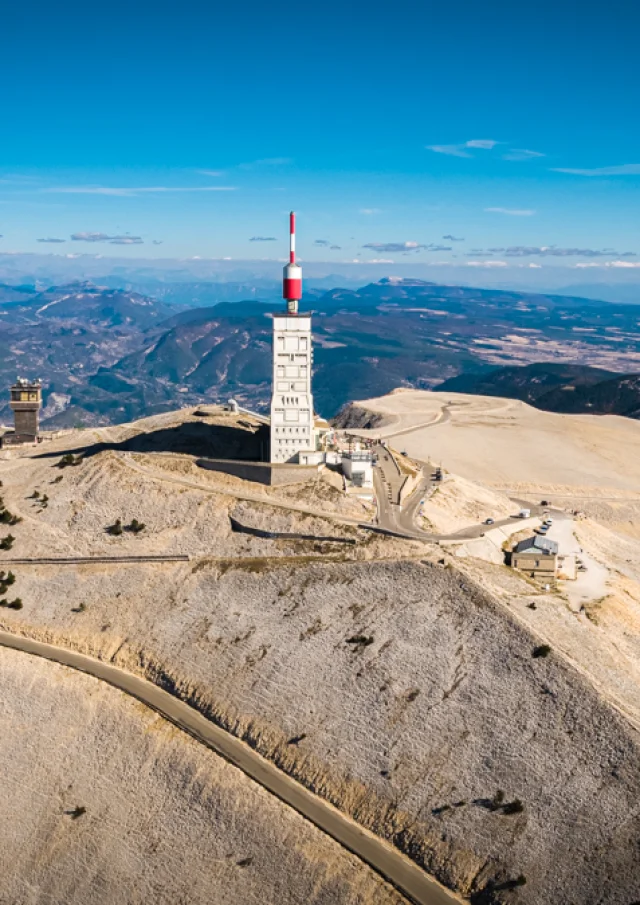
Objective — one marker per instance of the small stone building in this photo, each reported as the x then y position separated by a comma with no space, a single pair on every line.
26,402
537,556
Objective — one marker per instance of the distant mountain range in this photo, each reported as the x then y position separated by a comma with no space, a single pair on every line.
556,388
107,354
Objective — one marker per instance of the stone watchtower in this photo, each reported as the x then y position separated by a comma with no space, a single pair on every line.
26,402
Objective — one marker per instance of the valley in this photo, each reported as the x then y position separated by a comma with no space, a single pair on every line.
109,356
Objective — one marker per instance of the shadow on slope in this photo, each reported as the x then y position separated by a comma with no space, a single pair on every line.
197,438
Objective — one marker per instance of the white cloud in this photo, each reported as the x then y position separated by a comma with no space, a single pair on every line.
487,264
134,190
381,261
534,266
615,264
512,212
451,150
626,169
485,143
214,173
522,154
370,211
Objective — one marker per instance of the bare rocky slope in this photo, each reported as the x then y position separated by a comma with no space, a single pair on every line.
378,674
107,803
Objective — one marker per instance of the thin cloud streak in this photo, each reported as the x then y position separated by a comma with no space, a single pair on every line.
104,237
519,154
553,251
625,169
461,150
511,212
124,192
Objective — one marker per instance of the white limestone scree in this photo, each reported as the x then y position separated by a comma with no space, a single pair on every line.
292,422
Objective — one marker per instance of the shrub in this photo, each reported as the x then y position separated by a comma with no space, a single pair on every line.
69,460
542,650
13,605
135,526
116,528
7,542
513,807
360,640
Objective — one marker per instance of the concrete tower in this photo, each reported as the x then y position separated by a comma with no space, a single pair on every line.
26,402
292,426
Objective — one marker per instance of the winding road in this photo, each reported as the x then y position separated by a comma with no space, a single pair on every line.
387,861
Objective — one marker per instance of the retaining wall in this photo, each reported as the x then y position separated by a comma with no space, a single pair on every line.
273,475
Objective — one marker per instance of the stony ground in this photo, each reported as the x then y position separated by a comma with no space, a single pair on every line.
382,678
165,820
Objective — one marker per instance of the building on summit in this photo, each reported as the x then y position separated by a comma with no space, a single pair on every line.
293,435
538,556
26,402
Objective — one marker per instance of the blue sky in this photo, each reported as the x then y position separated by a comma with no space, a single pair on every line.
167,130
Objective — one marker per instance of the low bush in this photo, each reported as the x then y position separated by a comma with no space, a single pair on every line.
542,650
69,460
7,542
11,605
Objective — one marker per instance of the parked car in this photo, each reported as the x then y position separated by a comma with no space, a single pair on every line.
488,521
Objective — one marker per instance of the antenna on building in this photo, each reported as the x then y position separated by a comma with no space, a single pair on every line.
292,275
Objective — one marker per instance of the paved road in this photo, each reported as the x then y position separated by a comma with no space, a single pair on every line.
90,560
406,876
402,519
234,492
392,517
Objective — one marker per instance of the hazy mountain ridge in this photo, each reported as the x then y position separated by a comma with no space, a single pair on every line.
116,354
556,388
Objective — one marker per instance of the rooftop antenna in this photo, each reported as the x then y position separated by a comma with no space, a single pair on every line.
292,276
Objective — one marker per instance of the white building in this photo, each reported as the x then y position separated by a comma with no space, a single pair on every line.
292,425
357,466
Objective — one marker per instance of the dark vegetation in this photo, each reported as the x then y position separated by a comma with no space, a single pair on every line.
69,460
556,388
359,642
6,543
11,605
134,527
6,517
542,650
75,813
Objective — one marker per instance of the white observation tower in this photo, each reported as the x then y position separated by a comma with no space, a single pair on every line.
292,424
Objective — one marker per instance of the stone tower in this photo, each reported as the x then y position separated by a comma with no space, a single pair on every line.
26,402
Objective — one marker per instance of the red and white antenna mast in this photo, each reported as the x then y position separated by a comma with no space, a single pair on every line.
292,276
